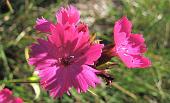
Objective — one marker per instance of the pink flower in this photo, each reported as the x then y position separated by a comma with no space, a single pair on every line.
7,97
65,16
63,61
129,47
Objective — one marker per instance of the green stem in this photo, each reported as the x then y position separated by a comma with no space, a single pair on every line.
124,90
5,62
9,6
19,81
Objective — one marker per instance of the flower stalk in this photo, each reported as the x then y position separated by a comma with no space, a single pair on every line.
29,80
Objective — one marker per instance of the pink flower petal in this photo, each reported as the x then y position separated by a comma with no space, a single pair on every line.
79,77
82,27
93,53
68,15
124,25
43,25
135,61
136,44
43,54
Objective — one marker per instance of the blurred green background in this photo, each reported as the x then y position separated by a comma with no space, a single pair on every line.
149,17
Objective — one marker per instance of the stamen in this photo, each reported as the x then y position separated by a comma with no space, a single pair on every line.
66,60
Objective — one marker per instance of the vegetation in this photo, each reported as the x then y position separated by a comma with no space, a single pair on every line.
150,17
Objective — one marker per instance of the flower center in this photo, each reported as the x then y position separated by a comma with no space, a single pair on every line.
66,60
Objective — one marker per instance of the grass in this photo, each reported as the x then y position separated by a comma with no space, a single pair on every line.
150,17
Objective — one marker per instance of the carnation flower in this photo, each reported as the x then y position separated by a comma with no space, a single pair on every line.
65,16
65,59
7,97
129,47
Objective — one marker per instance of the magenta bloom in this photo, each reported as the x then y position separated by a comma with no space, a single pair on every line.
7,97
129,47
65,16
63,61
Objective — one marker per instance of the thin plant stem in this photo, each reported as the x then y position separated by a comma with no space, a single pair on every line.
9,6
18,81
124,90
